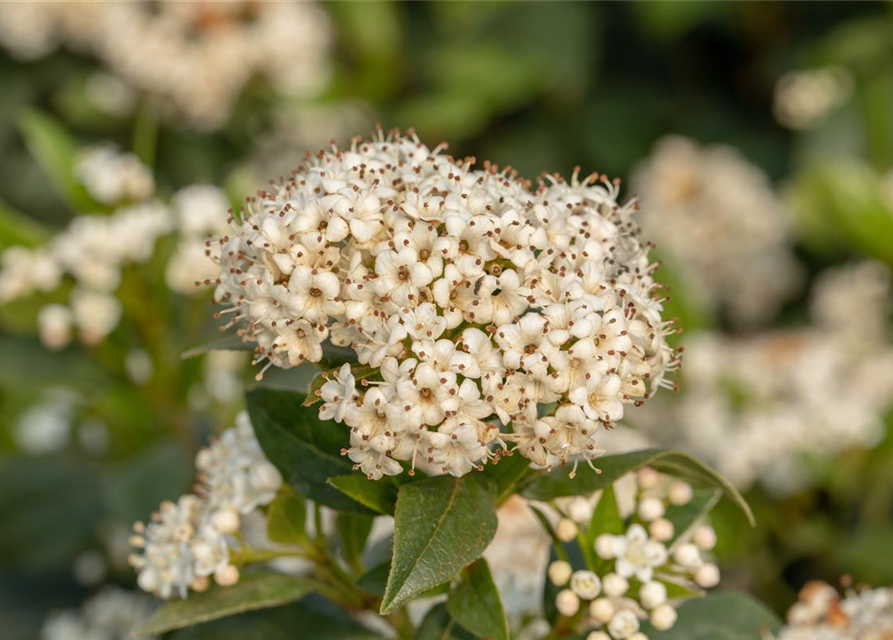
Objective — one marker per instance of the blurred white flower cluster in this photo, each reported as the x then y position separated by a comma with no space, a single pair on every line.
642,570
194,56
804,98
189,541
823,614
464,295
93,250
112,614
720,226
758,407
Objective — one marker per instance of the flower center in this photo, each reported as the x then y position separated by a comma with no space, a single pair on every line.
426,393
315,292
530,349
403,274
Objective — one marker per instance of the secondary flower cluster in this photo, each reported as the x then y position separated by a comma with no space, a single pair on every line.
639,570
721,228
465,297
111,614
188,541
194,56
822,612
756,407
94,249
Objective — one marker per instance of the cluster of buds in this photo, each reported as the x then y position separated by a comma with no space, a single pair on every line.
189,541
640,573
822,612
470,302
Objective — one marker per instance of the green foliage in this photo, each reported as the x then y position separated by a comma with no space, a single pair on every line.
18,229
439,625
256,590
475,603
353,531
378,495
306,450
287,518
687,516
547,486
720,616
440,525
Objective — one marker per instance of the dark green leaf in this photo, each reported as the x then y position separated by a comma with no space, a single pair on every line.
18,229
255,590
475,603
287,518
606,518
507,473
547,486
56,152
441,524
311,618
306,450
720,616
353,531
687,516
378,495
439,625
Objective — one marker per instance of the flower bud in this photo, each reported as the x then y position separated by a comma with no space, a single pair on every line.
704,537
687,555
650,509
680,493
586,584
707,576
226,520
614,585
566,530
653,594
560,572
598,635
567,602
579,510
227,576
605,546
602,610
664,617
661,530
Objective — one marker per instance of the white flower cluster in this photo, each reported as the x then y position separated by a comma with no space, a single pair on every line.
822,614
806,97
188,541
639,565
195,56
465,296
112,614
94,249
112,177
721,228
756,407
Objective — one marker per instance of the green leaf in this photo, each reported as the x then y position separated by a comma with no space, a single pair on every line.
230,342
547,486
255,590
56,152
287,518
441,524
507,473
680,590
606,518
18,229
438,624
306,450
720,616
313,617
353,531
687,516
475,603
378,495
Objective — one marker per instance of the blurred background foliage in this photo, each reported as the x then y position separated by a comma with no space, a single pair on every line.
543,86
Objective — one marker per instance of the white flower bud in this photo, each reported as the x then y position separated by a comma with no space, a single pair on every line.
560,572
664,617
598,635
54,322
602,610
226,520
652,594
648,478
614,585
638,636
661,530
704,537
650,509
201,583
265,476
680,493
687,555
623,625
707,576
605,546
227,576
566,530
586,584
567,602
579,510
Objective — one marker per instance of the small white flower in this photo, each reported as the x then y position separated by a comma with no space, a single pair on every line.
339,395
623,625
639,555
586,584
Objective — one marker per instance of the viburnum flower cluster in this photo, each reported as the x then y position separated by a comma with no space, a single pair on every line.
94,250
189,541
469,301
821,612
639,569
112,613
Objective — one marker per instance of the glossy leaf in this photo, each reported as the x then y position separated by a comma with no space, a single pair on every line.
256,590
687,516
353,531
441,524
287,518
507,473
720,616
18,229
438,624
547,486
378,495
306,450
475,603
606,518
